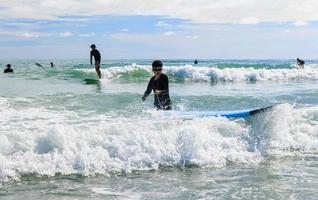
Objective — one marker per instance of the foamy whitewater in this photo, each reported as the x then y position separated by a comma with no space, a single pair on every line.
61,137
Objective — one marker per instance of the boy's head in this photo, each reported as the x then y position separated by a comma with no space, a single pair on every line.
157,66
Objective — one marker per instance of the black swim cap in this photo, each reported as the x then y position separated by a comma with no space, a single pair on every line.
156,64
93,46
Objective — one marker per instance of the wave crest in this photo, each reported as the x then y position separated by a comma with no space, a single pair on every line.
194,73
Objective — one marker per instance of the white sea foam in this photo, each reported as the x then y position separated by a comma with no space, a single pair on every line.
195,73
288,131
40,141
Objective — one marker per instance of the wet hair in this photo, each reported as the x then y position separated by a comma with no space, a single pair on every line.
156,64
93,46
8,65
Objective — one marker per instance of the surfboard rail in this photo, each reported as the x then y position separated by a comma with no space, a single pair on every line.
227,114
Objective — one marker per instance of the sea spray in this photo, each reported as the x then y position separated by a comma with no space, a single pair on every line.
286,131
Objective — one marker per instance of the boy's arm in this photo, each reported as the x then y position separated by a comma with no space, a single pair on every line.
148,90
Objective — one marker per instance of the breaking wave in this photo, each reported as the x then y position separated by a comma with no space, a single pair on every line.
194,73
46,142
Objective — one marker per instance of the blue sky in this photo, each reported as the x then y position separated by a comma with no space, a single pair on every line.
178,29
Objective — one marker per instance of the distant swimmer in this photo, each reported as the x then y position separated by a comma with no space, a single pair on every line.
196,62
300,63
159,84
97,57
8,69
51,64
38,64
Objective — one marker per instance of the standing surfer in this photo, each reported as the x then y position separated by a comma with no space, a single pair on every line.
159,84
300,63
97,57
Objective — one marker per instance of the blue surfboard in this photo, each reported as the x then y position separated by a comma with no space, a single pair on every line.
227,114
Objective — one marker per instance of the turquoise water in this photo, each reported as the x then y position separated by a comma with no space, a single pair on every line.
61,138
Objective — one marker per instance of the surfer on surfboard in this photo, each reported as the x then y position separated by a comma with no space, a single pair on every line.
300,63
159,84
97,57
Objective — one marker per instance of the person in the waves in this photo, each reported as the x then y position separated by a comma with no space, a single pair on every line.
300,63
159,84
8,69
97,57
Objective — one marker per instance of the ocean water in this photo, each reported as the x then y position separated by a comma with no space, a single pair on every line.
62,138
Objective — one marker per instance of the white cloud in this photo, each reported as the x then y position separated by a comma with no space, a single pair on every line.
30,34
249,20
22,34
124,30
66,34
300,23
162,24
203,11
18,24
213,41
192,37
243,43
86,34
169,33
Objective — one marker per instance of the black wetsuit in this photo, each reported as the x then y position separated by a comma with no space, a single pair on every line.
300,62
162,100
97,56
8,70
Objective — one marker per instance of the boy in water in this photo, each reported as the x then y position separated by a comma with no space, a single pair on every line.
97,57
8,69
159,84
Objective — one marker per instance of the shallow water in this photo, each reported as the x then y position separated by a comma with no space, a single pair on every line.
61,138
